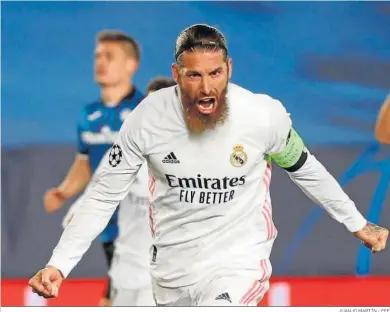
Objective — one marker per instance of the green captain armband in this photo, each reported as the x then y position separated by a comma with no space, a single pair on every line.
294,154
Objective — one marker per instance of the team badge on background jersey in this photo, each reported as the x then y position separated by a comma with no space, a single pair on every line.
94,115
238,158
115,156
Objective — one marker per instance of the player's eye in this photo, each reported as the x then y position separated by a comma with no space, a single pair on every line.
215,73
193,75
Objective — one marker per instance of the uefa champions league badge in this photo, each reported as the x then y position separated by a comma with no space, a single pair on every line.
238,158
115,157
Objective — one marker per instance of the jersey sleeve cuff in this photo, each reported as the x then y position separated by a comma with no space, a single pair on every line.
61,263
355,222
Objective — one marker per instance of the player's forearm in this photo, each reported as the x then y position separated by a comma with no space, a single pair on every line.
320,186
89,220
77,178
99,202
382,128
112,181
92,215
86,224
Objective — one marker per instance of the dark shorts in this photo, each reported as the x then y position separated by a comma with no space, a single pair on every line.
108,248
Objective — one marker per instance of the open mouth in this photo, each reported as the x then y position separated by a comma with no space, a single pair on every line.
206,106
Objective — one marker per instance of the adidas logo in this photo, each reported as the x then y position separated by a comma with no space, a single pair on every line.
224,296
171,159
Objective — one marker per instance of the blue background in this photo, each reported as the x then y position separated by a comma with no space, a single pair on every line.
327,61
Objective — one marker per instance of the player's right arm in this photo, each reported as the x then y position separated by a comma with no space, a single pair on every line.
288,151
112,184
75,181
382,128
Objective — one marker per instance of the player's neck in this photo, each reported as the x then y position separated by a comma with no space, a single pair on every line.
113,95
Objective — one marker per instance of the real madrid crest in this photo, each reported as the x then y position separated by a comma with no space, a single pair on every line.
238,158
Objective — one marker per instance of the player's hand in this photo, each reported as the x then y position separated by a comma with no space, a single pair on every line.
46,282
373,237
53,200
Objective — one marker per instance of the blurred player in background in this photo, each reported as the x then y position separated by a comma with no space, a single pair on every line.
382,129
117,58
130,272
208,144
159,83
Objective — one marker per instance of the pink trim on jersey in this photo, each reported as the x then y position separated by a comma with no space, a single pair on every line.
267,207
257,289
263,264
152,187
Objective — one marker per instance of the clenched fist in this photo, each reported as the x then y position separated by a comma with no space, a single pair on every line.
53,200
46,282
373,237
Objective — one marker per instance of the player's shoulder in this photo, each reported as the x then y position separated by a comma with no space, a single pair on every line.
138,96
154,107
88,113
90,107
133,99
238,94
163,95
242,95
159,102
269,104
257,105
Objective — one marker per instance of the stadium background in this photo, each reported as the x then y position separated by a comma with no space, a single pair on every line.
328,62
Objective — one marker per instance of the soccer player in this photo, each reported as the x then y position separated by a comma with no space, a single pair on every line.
129,272
130,276
382,129
154,85
117,58
208,144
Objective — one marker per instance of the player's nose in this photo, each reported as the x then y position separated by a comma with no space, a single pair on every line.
205,87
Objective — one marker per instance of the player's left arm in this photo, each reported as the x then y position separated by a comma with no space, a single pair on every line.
288,151
382,126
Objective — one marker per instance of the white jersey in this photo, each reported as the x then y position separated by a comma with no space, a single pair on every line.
130,264
211,208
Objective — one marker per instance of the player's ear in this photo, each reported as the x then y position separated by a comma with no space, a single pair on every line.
230,67
132,65
175,72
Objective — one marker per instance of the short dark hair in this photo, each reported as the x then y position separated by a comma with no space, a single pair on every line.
120,37
160,83
200,36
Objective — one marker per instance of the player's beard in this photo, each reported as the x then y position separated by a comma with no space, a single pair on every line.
196,122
